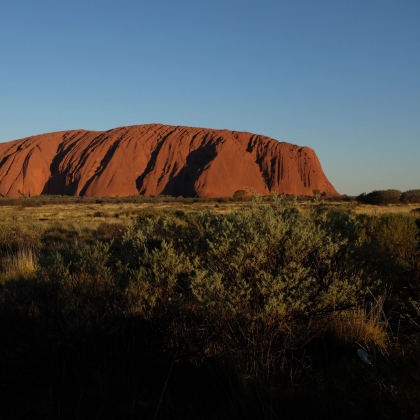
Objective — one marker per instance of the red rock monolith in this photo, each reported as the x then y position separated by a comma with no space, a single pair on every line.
158,159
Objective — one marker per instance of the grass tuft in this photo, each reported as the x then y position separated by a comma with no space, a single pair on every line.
361,326
21,264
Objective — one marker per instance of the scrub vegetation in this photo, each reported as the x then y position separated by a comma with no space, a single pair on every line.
390,197
208,309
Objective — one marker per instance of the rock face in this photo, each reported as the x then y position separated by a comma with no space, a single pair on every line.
157,159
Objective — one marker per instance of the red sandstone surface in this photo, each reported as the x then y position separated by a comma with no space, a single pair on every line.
157,159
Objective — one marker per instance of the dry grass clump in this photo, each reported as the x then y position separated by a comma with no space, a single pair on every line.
374,210
361,326
20,264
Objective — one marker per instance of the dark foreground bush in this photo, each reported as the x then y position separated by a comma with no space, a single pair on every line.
253,314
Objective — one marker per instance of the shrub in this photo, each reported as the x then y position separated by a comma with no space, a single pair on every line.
14,236
380,197
398,237
240,193
255,279
410,196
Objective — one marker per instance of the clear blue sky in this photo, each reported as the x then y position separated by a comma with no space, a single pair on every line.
339,76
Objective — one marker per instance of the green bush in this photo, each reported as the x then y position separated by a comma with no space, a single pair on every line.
257,280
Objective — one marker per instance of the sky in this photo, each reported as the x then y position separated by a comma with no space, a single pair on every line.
340,76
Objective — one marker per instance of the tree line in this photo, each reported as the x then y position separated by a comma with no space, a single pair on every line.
391,196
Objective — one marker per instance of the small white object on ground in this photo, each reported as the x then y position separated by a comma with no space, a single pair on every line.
363,355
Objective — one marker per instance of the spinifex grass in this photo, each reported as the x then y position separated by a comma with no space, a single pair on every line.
19,264
365,326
